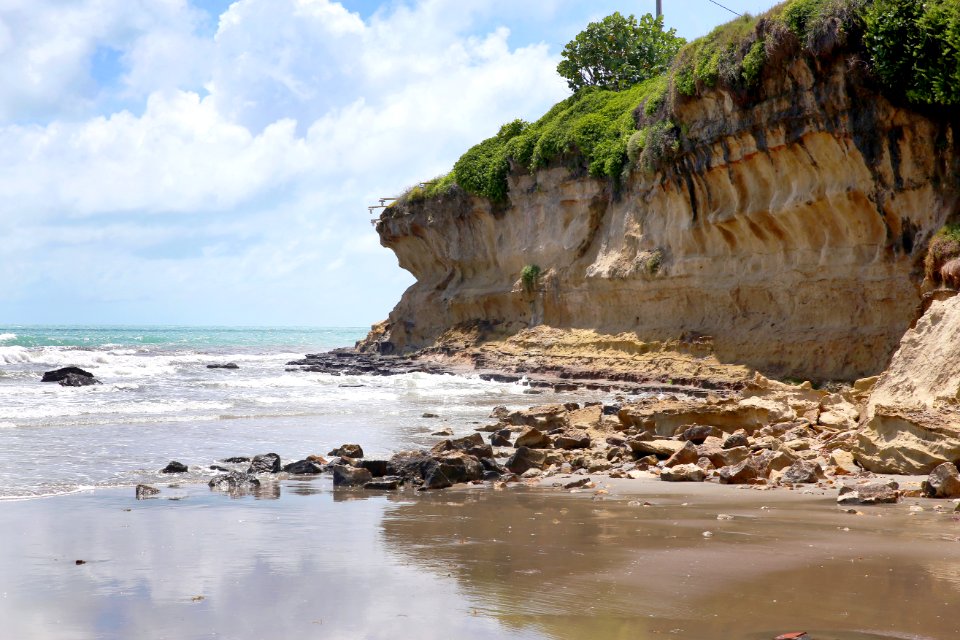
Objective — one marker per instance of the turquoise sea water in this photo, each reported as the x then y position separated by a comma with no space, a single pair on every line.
174,337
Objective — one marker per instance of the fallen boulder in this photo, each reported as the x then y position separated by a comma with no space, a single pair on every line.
685,455
145,491
526,458
174,467
744,472
234,481
802,472
661,448
572,439
76,380
266,463
347,451
60,374
869,493
303,468
683,473
452,469
346,476
533,438
944,482
698,433
227,365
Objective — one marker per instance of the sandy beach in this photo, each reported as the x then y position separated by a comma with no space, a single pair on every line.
629,558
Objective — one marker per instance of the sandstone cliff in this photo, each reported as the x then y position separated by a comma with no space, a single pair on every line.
790,228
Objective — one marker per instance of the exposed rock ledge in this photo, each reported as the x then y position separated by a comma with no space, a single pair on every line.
912,417
789,231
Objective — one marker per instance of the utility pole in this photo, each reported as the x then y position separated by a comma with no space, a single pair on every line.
659,8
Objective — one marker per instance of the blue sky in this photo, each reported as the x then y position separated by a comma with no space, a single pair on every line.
210,162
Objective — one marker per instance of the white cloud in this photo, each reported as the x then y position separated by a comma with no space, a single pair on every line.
49,50
257,188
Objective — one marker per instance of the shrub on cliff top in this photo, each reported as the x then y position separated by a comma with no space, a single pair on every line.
592,125
915,48
617,52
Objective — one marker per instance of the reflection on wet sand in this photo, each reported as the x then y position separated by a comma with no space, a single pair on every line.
569,567
473,563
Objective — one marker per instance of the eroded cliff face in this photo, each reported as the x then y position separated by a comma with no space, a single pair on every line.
790,229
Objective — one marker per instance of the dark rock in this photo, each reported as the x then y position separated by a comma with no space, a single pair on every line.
698,433
616,441
348,451
573,439
500,438
687,455
802,472
349,362
386,483
267,463
75,380
174,467
736,440
303,468
429,415
500,377
344,476
236,459
233,481
576,484
943,482
526,458
452,469
146,491
409,465
683,473
377,468
741,473
216,467
491,466
533,438
490,475
611,409
228,365
59,374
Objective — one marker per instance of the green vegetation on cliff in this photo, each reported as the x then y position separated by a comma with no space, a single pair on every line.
911,48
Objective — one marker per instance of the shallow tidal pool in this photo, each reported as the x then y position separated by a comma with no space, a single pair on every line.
303,560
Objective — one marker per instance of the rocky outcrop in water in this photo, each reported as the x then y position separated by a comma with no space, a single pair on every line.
70,377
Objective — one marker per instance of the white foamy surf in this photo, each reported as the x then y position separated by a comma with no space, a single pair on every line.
159,401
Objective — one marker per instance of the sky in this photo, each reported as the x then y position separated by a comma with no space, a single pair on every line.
211,162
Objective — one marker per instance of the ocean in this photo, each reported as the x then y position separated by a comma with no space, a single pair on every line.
159,402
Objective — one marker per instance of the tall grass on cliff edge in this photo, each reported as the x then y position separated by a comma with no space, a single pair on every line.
911,47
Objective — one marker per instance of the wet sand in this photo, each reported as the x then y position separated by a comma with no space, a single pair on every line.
303,560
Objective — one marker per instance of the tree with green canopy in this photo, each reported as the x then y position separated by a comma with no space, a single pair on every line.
617,52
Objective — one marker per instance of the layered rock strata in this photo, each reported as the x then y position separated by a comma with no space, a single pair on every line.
789,230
